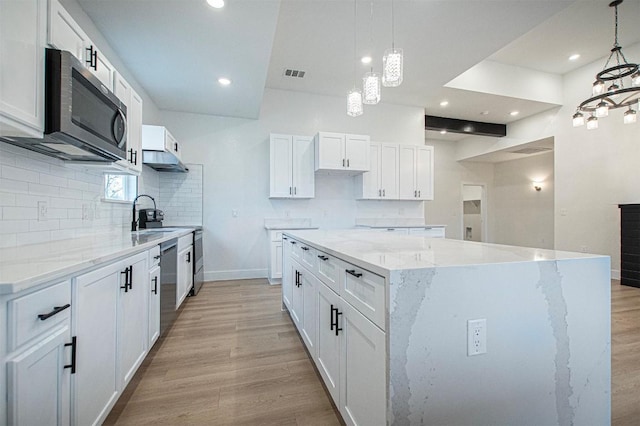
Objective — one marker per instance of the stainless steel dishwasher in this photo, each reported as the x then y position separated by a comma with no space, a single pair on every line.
168,282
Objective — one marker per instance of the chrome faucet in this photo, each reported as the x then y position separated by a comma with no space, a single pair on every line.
134,221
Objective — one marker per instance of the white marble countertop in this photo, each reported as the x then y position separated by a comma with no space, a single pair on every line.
381,252
285,228
28,266
396,223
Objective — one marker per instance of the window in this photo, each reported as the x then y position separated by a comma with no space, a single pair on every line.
120,187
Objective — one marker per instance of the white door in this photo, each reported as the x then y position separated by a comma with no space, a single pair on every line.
22,24
407,175
287,273
424,172
280,166
95,316
297,299
389,171
309,312
64,33
133,324
371,188
330,152
363,396
303,169
38,383
154,305
328,343
357,152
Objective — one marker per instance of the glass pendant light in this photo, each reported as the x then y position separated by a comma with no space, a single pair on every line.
598,88
392,61
578,119
602,109
592,123
630,116
371,88
354,103
635,79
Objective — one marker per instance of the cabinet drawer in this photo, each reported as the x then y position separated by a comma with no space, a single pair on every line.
308,257
329,270
365,291
154,256
395,230
428,232
185,241
24,311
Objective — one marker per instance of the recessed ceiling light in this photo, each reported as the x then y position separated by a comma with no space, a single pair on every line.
444,103
514,113
217,4
443,132
574,57
224,81
366,59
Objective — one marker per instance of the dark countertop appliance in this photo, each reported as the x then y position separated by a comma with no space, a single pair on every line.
168,283
150,218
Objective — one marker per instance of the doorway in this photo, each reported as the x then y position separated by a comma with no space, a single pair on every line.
473,212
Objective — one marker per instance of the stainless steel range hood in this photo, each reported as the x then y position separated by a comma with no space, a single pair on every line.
163,161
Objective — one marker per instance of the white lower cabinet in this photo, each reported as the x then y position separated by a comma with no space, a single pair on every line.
184,274
154,305
348,349
287,273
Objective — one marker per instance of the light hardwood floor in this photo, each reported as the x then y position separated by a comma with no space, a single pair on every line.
233,357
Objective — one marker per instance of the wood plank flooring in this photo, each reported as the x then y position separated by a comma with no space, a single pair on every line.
233,357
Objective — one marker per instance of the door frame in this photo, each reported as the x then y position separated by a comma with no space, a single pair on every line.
483,210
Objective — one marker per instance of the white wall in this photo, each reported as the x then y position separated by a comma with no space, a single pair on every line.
524,216
594,170
235,156
446,208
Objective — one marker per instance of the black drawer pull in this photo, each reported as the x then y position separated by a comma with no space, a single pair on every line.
155,285
285,238
335,324
292,242
305,248
354,273
325,258
74,346
56,310
156,257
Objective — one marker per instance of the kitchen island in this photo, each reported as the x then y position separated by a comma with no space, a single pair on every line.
411,351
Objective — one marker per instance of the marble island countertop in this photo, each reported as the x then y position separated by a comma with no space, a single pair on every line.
31,265
385,252
396,223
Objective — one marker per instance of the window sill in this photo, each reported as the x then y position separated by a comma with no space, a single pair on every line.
107,200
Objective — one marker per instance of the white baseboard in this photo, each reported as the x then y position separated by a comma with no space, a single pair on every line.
238,274
615,274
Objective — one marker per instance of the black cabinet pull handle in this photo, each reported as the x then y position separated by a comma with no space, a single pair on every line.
354,273
176,146
56,310
292,242
332,324
131,277
156,257
74,347
135,157
285,238
304,248
92,62
155,285
343,162
325,258
338,328
189,257
290,191
335,324
348,162
126,280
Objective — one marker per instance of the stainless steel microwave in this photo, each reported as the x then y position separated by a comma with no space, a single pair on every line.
84,120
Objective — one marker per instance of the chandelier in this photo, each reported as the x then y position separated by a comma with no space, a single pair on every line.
623,91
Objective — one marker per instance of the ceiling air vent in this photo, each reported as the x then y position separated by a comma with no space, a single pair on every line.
294,73
529,151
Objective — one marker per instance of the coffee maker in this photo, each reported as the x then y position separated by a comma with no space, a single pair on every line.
150,218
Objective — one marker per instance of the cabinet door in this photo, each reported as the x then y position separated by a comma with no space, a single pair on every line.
329,150
303,171
371,188
328,342
287,273
134,139
309,285
154,306
424,172
65,34
280,166
38,384
133,324
95,319
184,274
171,144
22,26
357,152
407,175
297,299
104,70
389,171
122,90
275,255
363,387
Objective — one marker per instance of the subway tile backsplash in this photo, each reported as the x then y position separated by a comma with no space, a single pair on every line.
181,196
73,198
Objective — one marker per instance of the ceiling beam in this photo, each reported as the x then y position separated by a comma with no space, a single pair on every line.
466,127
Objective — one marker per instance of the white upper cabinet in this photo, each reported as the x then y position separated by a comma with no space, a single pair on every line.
341,152
22,41
65,34
133,101
381,181
291,171
416,172
158,138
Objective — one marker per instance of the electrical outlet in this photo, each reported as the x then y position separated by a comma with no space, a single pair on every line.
476,337
42,210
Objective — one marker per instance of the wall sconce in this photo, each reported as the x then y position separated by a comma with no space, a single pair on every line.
537,186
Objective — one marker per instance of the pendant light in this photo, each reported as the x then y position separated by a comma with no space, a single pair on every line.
392,60
623,91
354,98
371,80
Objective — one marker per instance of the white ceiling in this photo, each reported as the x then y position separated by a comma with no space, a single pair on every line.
178,48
